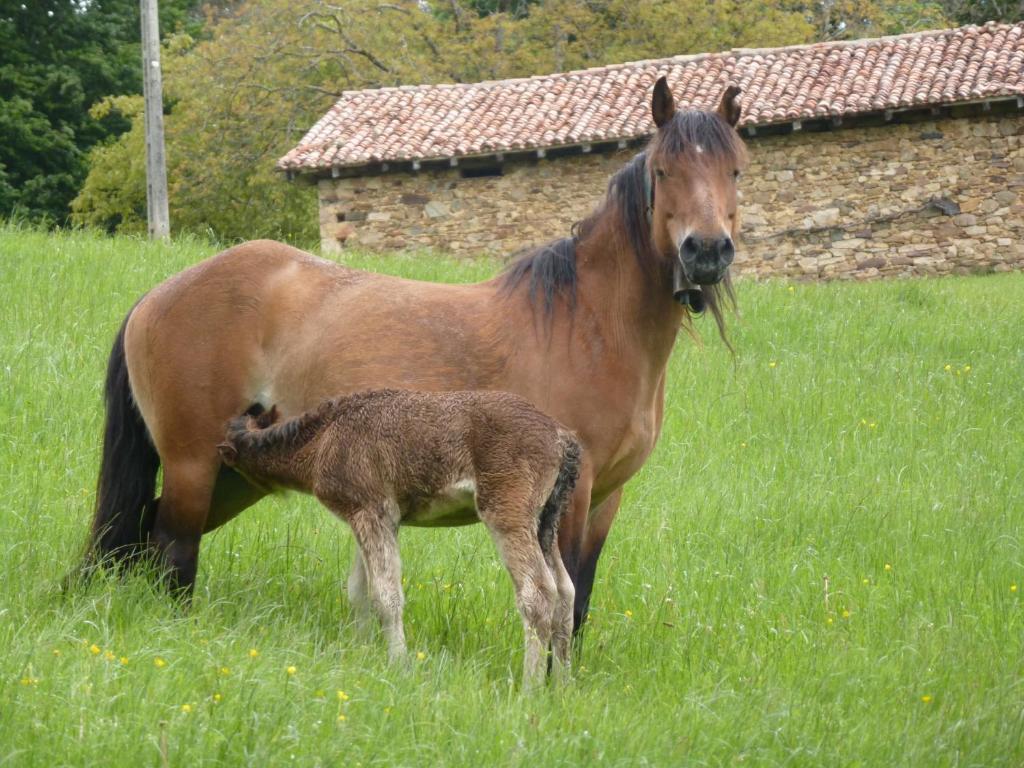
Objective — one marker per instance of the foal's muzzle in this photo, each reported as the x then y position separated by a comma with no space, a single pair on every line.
705,260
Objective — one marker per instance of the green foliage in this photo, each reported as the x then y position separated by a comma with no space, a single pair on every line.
265,71
852,19
57,59
980,11
836,443
113,197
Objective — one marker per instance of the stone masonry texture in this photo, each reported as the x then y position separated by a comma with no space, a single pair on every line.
922,198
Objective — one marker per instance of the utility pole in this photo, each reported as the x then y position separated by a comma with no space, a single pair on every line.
152,88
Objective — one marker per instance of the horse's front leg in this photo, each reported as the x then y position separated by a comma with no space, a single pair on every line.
582,566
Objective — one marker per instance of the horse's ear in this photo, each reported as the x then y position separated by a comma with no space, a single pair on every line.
729,106
663,105
228,453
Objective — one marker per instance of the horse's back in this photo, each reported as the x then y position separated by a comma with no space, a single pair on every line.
266,322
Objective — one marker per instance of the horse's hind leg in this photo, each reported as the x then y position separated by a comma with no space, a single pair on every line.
181,517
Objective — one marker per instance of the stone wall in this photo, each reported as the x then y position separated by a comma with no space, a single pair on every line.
929,197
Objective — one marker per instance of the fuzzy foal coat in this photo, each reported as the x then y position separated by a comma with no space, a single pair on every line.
382,458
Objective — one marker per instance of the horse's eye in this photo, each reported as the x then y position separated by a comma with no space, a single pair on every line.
736,174
659,173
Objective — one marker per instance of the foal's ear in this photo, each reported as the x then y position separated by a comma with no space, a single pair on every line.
729,106
663,105
228,453
267,418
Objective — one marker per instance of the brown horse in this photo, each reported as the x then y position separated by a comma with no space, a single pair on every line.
582,327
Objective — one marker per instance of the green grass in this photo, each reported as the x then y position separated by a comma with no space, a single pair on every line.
836,444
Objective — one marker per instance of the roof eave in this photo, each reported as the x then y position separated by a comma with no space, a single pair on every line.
752,128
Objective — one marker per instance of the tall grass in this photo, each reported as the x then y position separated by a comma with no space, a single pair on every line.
867,435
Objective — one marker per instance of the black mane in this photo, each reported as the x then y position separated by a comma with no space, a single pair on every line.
551,268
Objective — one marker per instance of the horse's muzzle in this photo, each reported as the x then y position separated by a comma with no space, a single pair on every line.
705,260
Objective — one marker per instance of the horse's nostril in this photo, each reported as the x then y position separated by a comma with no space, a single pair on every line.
689,249
726,250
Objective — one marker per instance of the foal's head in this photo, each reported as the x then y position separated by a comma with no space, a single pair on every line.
254,419
694,162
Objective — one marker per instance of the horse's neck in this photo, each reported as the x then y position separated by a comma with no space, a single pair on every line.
633,306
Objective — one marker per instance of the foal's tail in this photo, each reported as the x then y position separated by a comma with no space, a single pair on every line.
558,501
125,507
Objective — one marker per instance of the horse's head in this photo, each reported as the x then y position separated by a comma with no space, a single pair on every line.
693,164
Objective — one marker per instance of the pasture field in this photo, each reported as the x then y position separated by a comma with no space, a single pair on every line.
867,434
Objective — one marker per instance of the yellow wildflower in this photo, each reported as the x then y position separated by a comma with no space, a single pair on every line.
926,699
159,663
56,651
967,369
791,289
94,649
29,680
225,671
888,567
253,653
743,445
217,698
865,582
291,670
342,718
772,364
342,696
186,708
420,655
846,614
947,368
109,656
1013,587
629,614
828,620
124,661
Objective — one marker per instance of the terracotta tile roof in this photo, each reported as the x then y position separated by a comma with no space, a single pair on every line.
610,103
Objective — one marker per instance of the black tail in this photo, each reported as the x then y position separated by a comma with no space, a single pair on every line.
557,502
125,507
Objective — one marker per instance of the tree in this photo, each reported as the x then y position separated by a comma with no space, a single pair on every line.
245,94
57,59
980,11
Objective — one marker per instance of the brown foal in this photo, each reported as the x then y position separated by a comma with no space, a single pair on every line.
382,458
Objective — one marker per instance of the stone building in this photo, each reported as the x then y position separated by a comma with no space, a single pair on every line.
898,155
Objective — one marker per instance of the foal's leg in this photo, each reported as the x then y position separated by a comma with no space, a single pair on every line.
376,533
561,621
534,585
358,594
